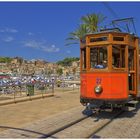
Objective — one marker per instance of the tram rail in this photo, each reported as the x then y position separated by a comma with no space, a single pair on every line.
85,128
93,135
69,124
91,127
46,127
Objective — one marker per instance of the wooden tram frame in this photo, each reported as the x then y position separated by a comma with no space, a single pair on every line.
129,40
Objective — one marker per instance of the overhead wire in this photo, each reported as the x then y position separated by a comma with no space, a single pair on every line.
115,15
110,10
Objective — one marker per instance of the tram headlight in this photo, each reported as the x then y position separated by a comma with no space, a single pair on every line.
98,89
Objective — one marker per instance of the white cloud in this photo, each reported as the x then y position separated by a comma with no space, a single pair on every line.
52,48
8,39
8,30
32,44
68,51
41,45
30,33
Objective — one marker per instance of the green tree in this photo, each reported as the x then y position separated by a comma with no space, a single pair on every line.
49,72
90,24
59,71
5,59
77,36
67,61
93,21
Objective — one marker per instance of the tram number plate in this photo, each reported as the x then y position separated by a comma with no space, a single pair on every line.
98,81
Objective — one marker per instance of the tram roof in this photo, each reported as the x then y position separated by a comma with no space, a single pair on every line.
112,31
123,33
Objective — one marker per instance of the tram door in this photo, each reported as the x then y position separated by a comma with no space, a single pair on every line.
132,67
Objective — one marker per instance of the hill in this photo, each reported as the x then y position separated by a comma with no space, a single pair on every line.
67,61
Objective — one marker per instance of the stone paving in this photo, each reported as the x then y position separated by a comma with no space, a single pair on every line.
41,128
126,126
21,114
28,113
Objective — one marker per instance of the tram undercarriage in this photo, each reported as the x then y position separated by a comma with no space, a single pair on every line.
95,105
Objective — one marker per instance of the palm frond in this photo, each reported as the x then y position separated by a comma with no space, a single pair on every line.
78,34
72,38
68,44
93,20
90,24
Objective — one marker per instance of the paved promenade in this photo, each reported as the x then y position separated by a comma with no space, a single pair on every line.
24,113
36,113
126,126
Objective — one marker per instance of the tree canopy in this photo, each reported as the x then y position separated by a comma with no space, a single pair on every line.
5,59
93,21
67,61
59,71
90,23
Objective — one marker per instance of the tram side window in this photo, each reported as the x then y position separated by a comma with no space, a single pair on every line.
131,59
118,56
83,53
98,57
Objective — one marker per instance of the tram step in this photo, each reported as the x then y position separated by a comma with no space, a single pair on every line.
132,103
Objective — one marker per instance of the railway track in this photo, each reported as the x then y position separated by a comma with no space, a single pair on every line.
69,124
93,135
86,128
47,126
74,123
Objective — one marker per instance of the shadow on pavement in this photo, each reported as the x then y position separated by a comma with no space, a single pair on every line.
24,130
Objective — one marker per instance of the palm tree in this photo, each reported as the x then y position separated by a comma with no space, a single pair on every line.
78,35
90,24
92,21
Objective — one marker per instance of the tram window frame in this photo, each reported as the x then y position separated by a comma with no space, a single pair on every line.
131,58
98,39
131,68
97,56
83,59
118,38
118,61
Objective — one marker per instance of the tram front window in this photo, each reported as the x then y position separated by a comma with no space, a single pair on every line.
98,57
118,56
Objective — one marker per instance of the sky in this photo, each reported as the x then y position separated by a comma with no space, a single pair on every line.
38,30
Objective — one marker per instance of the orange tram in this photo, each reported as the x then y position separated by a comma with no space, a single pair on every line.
109,69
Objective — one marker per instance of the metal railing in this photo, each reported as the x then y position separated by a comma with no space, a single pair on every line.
24,90
14,92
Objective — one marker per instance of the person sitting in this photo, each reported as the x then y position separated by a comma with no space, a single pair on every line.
102,65
105,64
